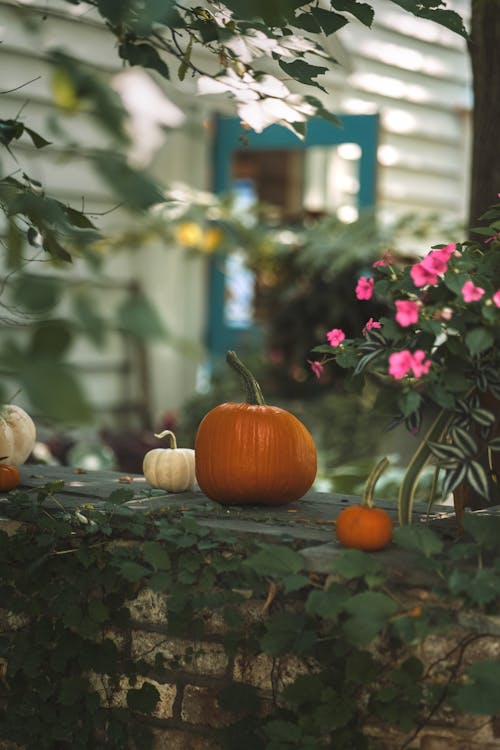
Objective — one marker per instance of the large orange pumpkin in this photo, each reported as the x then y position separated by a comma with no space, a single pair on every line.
253,453
9,476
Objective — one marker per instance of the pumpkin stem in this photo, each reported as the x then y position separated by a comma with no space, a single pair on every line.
173,441
253,391
367,499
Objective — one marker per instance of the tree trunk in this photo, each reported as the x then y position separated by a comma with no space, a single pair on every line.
484,49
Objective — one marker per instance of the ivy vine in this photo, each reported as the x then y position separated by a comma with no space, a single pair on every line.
68,576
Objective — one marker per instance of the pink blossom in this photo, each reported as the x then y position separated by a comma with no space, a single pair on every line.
422,276
317,367
471,292
385,260
436,261
400,363
496,298
370,324
448,251
420,366
335,336
407,312
364,288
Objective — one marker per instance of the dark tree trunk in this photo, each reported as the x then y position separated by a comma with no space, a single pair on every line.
484,48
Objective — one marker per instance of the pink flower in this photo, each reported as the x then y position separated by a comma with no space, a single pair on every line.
385,260
471,292
317,367
364,288
407,312
400,363
370,324
335,336
496,298
422,276
420,366
447,252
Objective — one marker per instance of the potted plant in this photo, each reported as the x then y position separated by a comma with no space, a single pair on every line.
437,353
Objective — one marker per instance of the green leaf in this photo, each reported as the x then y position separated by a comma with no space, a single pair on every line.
463,441
136,189
145,56
362,11
479,340
143,700
477,478
133,571
138,317
419,538
484,529
453,478
51,339
54,390
482,694
327,604
353,563
328,21
409,402
156,555
92,324
303,71
275,560
36,293
369,613
36,138
234,696
281,731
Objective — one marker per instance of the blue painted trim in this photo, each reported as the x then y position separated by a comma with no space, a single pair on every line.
230,137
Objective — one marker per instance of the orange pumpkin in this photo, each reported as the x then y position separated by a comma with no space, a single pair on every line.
251,452
9,477
364,526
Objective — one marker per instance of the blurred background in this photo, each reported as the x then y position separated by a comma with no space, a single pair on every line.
257,246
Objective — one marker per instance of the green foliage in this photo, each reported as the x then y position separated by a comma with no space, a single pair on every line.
68,576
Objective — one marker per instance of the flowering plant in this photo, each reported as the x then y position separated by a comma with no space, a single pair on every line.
440,347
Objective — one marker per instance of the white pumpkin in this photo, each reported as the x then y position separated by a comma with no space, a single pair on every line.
170,469
17,435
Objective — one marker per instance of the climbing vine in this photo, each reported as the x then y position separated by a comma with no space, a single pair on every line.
68,578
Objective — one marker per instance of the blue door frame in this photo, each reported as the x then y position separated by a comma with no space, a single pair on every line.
360,129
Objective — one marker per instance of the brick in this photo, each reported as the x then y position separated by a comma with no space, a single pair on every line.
200,706
175,739
266,673
200,657
114,695
149,607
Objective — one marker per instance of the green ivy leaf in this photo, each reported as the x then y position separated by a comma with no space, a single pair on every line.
482,695
327,604
275,560
156,555
360,628
132,571
353,563
484,529
303,71
418,538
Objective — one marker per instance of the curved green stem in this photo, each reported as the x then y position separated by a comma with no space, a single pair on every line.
367,499
173,441
417,464
253,392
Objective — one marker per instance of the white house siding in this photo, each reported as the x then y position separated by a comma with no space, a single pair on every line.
412,72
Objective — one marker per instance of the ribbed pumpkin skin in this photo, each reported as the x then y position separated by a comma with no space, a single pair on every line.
367,529
247,453
17,435
168,469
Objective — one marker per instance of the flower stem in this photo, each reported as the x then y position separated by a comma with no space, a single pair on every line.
376,472
253,391
173,441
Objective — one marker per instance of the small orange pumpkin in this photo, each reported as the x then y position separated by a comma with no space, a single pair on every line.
9,477
364,526
251,452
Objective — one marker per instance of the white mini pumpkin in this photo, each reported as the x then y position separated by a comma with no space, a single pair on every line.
170,469
17,435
